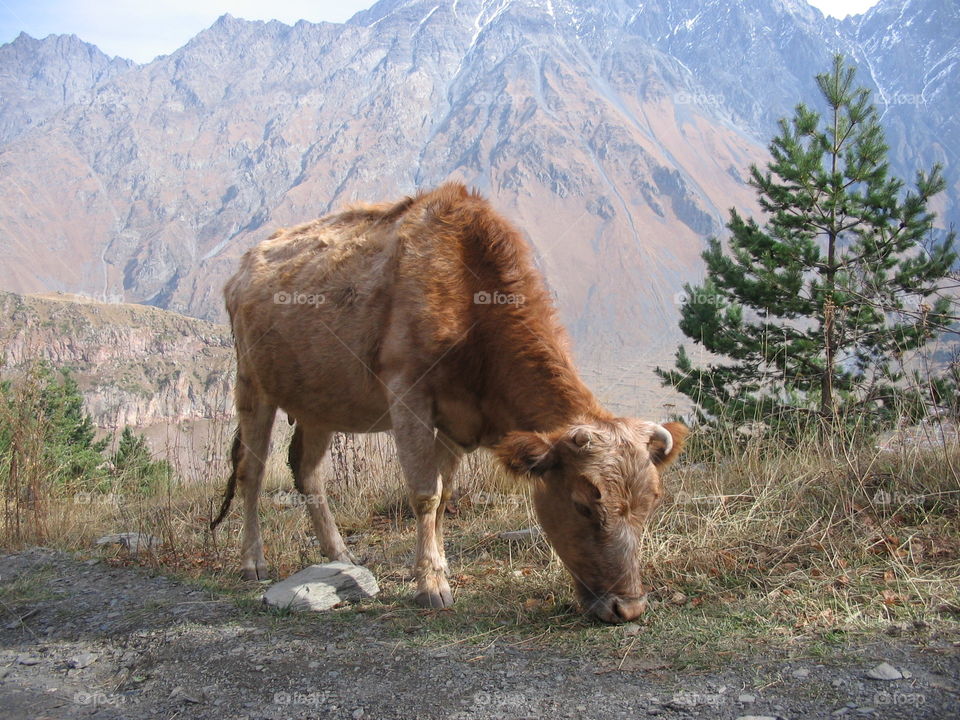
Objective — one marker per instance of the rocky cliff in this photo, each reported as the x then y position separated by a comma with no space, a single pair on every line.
135,365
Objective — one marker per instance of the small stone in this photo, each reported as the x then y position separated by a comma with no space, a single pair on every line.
746,698
132,541
357,714
529,535
801,674
678,598
884,671
28,660
631,630
756,717
78,662
320,587
840,711
179,694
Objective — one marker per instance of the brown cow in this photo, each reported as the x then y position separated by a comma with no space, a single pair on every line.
428,317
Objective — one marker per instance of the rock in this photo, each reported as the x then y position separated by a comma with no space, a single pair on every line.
133,542
756,717
529,535
631,630
884,671
746,698
28,660
179,694
78,662
320,587
801,674
678,598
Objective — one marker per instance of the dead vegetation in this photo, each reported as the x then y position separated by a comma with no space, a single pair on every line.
805,544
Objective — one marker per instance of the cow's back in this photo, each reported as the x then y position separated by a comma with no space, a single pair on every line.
308,308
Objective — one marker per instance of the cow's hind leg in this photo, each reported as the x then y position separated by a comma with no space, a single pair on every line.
417,445
256,422
307,449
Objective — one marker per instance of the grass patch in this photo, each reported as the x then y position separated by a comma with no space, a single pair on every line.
801,549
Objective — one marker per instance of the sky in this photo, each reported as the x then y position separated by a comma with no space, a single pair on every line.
143,29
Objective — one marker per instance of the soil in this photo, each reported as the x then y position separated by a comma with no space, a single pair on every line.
82,639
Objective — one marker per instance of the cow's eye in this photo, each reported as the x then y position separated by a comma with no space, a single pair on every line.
584,510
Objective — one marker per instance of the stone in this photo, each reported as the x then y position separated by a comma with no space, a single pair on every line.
884,671
133,542
631,630
529,535
746,698
320,587
801,674
78,662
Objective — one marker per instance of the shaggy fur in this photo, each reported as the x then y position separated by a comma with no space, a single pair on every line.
428,317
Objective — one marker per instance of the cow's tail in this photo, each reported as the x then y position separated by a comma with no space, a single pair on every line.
235,453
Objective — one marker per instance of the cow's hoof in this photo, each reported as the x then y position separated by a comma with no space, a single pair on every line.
347,557
436,600
255,574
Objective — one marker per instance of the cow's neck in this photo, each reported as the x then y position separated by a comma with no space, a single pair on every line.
539,394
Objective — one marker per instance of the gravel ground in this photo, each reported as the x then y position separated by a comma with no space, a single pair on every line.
88,640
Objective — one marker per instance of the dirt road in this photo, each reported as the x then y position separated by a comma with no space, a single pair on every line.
79,639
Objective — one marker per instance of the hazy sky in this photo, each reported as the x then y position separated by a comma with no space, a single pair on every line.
142,29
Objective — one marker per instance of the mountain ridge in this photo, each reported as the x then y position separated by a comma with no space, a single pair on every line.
615,135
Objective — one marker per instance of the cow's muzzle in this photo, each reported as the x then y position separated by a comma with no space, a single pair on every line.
618,609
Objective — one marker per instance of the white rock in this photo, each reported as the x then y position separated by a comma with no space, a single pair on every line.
78,662
884,671
528,535
320,587
134,542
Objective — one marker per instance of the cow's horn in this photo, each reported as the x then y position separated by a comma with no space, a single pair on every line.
662,434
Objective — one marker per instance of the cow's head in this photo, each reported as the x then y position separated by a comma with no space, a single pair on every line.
597,483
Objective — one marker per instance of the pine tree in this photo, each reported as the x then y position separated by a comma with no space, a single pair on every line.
134,466
811,310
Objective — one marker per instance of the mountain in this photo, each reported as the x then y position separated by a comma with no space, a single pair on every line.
135,365
38,78
615,134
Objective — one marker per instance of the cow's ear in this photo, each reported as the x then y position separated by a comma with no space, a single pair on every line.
666,442
527,453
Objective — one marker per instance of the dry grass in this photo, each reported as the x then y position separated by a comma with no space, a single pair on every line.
801,546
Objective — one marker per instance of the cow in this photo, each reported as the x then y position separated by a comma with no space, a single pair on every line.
428,317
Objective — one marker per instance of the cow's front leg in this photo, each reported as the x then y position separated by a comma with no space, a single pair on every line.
417,445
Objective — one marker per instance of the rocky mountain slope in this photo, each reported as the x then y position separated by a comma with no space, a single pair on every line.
38,78
135,365
616,134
